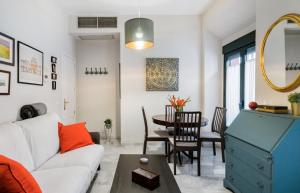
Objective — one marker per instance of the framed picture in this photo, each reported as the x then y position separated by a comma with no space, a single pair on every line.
53,85
30,65
7,49
162,74
4,82
53,59
54,68
53,76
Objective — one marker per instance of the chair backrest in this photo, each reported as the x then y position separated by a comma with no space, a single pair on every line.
187,127
169,113
219,119
145,122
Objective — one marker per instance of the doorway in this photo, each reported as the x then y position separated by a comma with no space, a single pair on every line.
239,75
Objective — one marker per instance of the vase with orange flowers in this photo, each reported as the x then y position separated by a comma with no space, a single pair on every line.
178,103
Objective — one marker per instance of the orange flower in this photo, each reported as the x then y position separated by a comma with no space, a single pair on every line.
178,102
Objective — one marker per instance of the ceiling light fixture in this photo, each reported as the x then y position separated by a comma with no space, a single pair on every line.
139,33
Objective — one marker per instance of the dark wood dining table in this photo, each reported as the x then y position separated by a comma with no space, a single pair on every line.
169,122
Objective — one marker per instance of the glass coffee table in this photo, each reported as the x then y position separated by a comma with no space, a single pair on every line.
157,163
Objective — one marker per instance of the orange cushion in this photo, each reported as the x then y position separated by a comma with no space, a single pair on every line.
73,136
14,178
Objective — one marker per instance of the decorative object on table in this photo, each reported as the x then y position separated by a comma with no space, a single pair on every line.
294,99
144,160
139,33
53,85
33,110
107,129
53,76
30,65
7,49
178,103
53,60
273,109
162,74
146,178
281,80
252,105
53,66
4,82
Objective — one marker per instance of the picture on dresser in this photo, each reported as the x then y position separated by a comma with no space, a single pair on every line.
30,65
7,49
4,82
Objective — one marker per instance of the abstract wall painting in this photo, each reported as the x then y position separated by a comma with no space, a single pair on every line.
162,74
7,50
30,65
4,82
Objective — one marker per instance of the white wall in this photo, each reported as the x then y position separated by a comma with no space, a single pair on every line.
175,36
43,26
267,12
97,94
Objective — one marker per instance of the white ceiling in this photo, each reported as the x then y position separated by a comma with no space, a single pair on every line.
226,17
130,7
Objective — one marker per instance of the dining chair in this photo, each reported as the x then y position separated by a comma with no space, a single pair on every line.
217,130
186,135
159,135
169,116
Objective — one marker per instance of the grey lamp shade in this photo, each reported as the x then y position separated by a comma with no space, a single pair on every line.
139,33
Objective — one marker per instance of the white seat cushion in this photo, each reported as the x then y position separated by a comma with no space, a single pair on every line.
13,144
209,134
42,136
88,156
63,180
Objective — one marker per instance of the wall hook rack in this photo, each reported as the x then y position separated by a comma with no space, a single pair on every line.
95,71
292,66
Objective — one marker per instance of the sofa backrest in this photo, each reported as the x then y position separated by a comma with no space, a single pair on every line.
42,136
13,144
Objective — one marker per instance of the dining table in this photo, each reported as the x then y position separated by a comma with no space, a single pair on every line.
163,120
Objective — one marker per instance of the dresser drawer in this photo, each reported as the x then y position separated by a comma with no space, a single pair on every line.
255,158
257,180
239,183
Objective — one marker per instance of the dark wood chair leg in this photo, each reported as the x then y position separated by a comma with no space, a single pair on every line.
179,158
214,148
223,149
198,160
166,147
145,146
191,156
169,153
175,160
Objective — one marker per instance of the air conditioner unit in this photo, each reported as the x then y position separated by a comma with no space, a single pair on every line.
97,22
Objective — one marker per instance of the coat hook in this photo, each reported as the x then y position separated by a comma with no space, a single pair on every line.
96,71
298,66
291,66
295,67
91,72
101,71
287,67
105,71
86,71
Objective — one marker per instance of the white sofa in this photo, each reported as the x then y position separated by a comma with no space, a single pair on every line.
35,144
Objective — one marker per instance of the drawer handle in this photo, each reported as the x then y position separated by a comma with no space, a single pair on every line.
260,185
260,166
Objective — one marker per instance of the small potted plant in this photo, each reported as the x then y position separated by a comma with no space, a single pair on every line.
294,99
107,123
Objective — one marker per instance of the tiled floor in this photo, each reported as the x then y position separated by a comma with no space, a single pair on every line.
212,169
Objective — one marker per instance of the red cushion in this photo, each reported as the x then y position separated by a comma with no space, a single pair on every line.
73,136
14,178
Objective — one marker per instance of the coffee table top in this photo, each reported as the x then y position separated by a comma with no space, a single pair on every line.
128,162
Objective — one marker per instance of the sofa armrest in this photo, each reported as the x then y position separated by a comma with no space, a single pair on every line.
95,137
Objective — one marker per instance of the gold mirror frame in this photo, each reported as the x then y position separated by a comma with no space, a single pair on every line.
292,86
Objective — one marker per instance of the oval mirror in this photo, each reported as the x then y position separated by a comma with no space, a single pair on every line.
280,54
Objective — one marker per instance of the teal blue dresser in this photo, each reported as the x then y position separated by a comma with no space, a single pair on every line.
263,153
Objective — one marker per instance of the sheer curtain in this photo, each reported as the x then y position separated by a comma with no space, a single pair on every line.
250,76
232,87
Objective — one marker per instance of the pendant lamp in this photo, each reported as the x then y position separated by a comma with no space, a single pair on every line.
139,33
